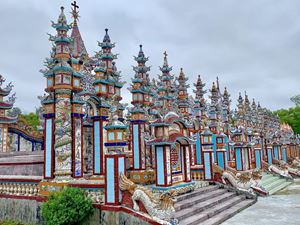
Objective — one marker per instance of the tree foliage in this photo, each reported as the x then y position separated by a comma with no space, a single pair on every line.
31,118
70,206
296,100
290,116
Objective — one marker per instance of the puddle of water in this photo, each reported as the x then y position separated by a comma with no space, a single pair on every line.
282,208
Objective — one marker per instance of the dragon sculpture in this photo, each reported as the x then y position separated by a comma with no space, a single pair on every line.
244,181
291,169
160,209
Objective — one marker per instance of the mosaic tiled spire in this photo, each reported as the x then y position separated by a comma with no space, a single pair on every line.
226,110
141,88
108,82
183,98
213,108
63,102
166,87
142,99
200,104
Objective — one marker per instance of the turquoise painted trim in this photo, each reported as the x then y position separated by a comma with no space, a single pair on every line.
136,158
198,150
269,152
115,127
221,160
173,186
110,179
160,166
97,137
257,159
276,154
207,166
238,159
48,149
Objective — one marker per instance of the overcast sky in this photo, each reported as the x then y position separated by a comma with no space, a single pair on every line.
252,45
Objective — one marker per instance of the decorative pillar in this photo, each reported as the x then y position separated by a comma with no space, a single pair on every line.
283,153
238,158
115,165
269,154
207,151
62,108
163,166
276,151
99,135
187,163
221,158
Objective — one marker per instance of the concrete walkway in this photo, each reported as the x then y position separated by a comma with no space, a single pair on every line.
278,209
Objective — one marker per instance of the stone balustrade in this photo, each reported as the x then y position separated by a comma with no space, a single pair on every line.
21,189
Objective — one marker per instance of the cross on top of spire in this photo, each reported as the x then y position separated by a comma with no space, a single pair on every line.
165,54
75,13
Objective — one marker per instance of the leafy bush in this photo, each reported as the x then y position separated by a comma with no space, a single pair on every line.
290,116
70,206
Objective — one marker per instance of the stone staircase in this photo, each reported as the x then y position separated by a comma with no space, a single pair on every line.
209,205
273,183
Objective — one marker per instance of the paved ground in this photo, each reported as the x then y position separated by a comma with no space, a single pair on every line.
282,208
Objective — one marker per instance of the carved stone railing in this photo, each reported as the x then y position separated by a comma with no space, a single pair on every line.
19,189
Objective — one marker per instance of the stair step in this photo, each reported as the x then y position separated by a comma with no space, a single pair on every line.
201,206
228,213
280,187
196,199
197,192
202,216
274,184
269,180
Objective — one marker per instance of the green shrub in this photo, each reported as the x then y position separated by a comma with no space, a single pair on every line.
70,206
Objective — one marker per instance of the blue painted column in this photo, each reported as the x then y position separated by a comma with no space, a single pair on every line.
257,155
214,142
276,153
114,165
163,166
198,150
98,144
49,148
238,158
269,155
283,154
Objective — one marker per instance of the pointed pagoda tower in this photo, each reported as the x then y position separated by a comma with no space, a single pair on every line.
200,104
213,109
5,120
200,111
166,87
62,108
183,97
77,47
141,100
226,111
107,86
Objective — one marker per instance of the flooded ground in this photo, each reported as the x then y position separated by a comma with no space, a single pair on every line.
280,209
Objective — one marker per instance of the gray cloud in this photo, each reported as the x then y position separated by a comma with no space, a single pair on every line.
250,45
